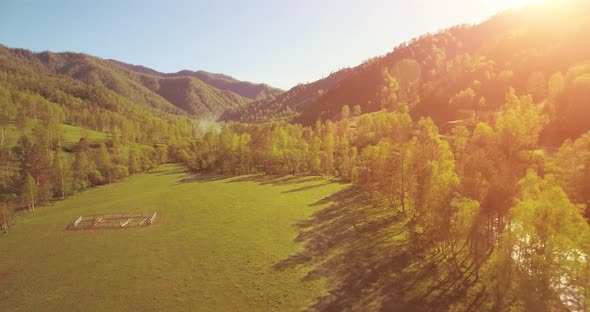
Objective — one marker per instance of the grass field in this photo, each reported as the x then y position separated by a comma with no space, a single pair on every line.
212,248
72,134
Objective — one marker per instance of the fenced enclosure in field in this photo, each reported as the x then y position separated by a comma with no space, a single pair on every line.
112,221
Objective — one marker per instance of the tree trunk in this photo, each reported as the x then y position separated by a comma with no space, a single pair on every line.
403,186
5,226
61,171
586,285
4,174
32,200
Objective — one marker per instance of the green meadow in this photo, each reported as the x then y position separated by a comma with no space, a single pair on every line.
214,247
72,134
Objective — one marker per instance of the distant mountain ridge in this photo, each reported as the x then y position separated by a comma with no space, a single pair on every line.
254,91
180,93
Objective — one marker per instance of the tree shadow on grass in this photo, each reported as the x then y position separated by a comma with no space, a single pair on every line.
201,178
308,187
361,249
261,179
277,179
165,172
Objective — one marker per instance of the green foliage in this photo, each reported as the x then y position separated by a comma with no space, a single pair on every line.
519,125
545,248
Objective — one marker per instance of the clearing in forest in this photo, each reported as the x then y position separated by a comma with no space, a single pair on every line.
214,247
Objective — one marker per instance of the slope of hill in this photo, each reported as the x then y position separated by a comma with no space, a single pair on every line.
72,134
288,104
462,71
245,89
177,95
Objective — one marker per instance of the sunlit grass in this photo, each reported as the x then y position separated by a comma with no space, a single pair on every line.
72,134
213,248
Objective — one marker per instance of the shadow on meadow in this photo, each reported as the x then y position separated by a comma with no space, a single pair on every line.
165,171
277,179
201,178
361,248
261,179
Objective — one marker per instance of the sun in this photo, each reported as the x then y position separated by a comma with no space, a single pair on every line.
515,4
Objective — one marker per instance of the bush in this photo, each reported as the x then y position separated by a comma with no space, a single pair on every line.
119,172
95,177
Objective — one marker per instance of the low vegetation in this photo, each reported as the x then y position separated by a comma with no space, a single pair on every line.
213,247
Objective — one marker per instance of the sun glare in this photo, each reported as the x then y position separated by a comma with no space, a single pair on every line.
515,4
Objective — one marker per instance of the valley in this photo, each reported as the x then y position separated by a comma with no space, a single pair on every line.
214,246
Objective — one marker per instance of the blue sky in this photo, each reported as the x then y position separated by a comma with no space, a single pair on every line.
281,43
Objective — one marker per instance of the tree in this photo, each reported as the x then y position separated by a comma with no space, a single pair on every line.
328,145
537,86
463,100
356,110
436,182
519,125
556,86
345,112
401,157
545,249
103,162
459,140
345,159
133,161
571,166
463,226
6,214
29,191
314,158
61,174
81,167
20,123
388,94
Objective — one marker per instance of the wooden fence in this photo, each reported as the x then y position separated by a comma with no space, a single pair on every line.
113,220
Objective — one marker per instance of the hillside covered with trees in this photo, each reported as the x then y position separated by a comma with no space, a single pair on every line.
462,72
468,221
245,89
197,94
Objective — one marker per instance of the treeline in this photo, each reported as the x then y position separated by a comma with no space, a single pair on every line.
505,212
40,168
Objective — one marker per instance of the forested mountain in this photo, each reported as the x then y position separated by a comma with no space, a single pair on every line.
224,82
220,81
465,71
177,94
287,104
